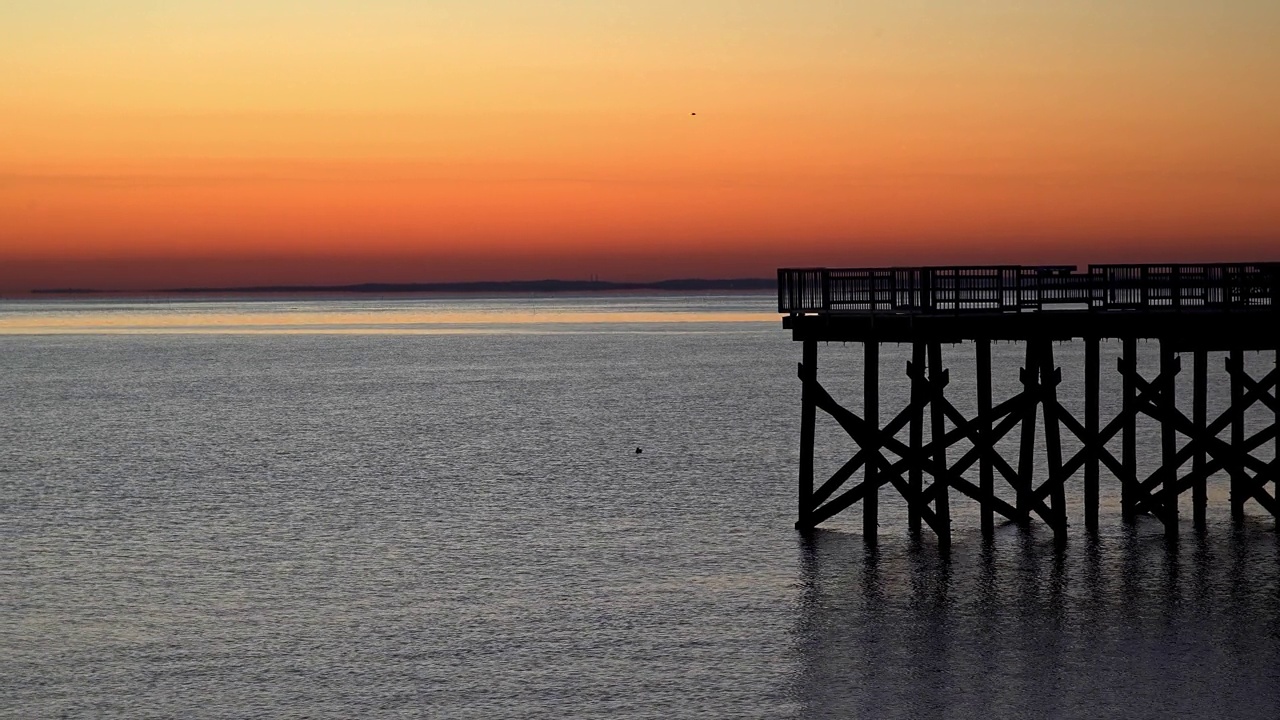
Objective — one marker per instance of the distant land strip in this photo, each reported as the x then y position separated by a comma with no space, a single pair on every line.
483,286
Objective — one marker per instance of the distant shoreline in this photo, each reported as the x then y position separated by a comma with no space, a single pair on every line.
484,286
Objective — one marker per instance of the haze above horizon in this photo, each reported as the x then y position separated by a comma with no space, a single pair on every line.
276,142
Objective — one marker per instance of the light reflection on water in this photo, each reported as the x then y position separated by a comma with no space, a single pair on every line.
418,315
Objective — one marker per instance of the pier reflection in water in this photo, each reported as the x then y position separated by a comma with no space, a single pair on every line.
1124,625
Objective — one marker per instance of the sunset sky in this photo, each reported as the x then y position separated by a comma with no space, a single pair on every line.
151,144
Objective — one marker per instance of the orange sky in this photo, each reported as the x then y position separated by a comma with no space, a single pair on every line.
151,145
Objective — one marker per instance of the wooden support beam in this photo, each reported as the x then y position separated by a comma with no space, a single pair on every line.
1275,423
1200,393
1169,446
1237,456
856,462
1264,498
1016,406
984,448
1050,376
871,413
1236,359
846,471
867,436
1129,435
1150,503
966,428
1026,452
1157,410
1145,393
926,513
916,439
954,472
808,417
1151,486
1098,446
987,499
1254,390
1092,368
942,505
849,497
986,476
1077,461
1234,456
1236,370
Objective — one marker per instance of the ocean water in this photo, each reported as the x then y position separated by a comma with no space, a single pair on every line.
434,507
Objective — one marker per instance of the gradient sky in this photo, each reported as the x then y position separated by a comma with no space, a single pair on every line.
154,143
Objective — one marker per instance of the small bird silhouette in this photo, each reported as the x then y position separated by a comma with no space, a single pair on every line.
638,451
693,113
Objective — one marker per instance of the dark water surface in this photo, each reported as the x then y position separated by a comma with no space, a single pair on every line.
427,508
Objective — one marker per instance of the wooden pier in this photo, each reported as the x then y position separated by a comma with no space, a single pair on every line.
1192,309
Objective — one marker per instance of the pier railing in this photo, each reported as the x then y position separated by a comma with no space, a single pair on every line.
1013,288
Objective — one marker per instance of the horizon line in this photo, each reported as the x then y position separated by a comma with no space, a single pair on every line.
549,285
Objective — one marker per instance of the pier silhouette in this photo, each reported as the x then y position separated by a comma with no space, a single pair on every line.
1196,309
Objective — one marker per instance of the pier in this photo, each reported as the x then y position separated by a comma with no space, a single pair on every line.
1193,310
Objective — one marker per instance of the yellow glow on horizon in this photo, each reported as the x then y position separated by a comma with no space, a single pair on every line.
425,320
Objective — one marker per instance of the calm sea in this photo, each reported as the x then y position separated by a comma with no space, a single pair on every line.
434,507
